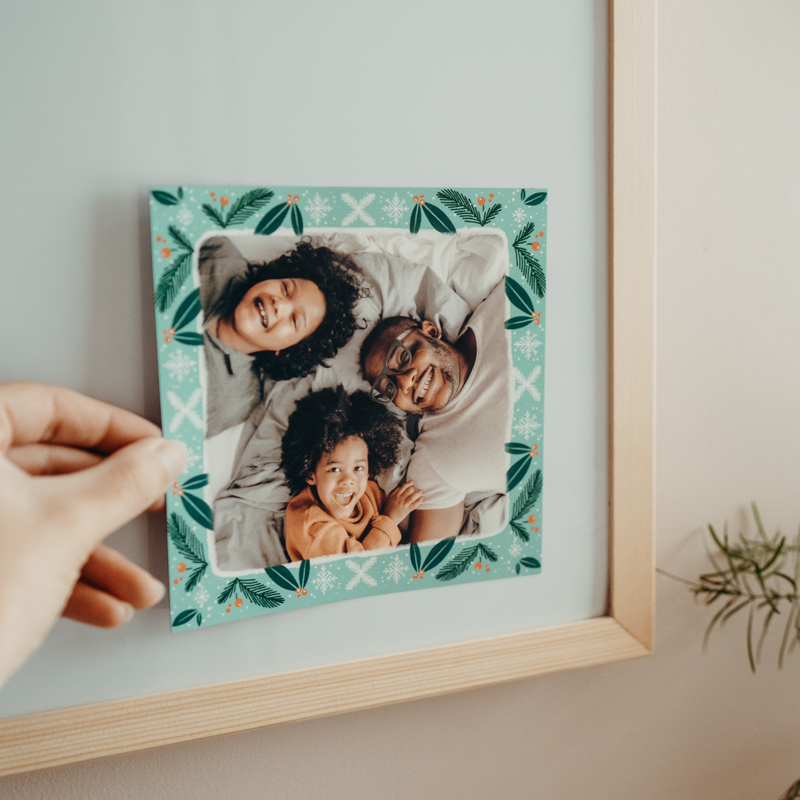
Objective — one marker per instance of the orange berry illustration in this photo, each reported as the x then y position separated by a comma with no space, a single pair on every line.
536,530
416,198
532,518
175,581
416,575
481,201
487,568
239,602
296,198
223,201
478,565
166,252
181,567
228,610
305,592
491,196
536,245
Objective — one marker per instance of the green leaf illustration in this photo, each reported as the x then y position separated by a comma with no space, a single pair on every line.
438,219
517,448
520,531
184,617
487,552
196,482
165,198
187,310
527,498
518,296
438,553
180,193
492,212
535,199
297,220
213,214
517,569
458,565
186,543
517,472
283,577
517,322
198,510
415,557
193,339
194,577
244,207
272,220
171,281
531,563
530,268
180,238
460,205
305,569
416,219
522,194
252,590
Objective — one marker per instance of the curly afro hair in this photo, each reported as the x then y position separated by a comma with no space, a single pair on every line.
339,280
322,420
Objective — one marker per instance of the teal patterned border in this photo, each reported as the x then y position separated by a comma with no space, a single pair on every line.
179,217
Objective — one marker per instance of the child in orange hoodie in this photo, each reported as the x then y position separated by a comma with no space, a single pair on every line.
334,444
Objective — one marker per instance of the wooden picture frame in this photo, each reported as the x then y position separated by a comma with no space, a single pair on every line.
626,631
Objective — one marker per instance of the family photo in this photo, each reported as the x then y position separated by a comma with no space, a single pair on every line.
357,389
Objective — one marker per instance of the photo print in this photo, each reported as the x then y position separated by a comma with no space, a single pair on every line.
357,376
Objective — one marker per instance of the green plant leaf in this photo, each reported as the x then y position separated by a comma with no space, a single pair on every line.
281,575
186,543
518,296
415,557
531,563
165,198
192,339
180,193
487,552
305,568
194,576
521,531
438,219
517,472
535,199
196,482
521,194
245,206
260,595
517,568
460,205
171,281
416,219
198,510
517,448
180,237
184,617
517,322
491,213
458,565
214,215
297,220
187,310
527,498
438,553
531,270
272,220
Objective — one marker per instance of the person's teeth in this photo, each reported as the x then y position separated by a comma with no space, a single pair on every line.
425,384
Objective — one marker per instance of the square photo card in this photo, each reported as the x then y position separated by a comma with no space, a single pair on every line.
357,375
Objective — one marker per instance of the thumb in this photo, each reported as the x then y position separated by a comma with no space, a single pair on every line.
102,498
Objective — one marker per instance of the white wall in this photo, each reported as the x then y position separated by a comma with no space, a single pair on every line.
680,724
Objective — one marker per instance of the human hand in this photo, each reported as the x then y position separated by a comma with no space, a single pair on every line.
72,470
401,502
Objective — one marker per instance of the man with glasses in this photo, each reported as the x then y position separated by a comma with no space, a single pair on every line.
463,395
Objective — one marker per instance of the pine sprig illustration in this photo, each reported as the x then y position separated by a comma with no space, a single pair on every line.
242,209
464,208
190,547
173,278
750,574
523,503
252,590
459,564
530,268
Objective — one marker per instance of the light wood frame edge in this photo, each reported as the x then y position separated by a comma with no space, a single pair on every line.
105,729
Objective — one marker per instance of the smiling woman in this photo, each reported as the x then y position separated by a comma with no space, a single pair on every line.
269,321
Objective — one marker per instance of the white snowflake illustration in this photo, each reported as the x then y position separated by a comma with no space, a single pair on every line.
528,425
318,208
358,207
361,568
519,215
200,595
193,458
179,365
185,217
524,384
395,208
515,549
185,410
528,344
324,579
396,569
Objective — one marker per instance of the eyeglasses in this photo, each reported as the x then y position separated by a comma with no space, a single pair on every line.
398,360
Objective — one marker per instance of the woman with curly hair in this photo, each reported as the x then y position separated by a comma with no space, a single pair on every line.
270,321
334,445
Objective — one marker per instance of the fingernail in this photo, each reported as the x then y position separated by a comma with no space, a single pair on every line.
129,612
173,454
158,589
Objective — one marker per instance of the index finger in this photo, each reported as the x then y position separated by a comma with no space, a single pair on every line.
34,412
